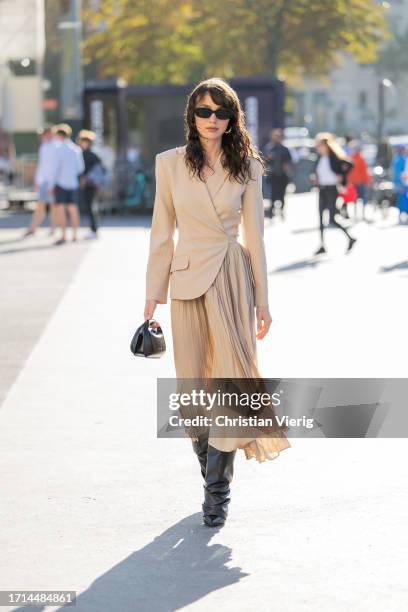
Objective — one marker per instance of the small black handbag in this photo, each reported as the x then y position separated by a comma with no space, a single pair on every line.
148,341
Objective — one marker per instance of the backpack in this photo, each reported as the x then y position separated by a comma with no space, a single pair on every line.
96,176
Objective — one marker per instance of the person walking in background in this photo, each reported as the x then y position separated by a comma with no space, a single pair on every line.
278,160
91,180
400,179
359,176
348,139
69,165
42,182
331,170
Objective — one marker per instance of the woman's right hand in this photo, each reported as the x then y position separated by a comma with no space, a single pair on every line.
150,307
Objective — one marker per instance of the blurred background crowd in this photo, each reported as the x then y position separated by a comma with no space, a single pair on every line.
121,70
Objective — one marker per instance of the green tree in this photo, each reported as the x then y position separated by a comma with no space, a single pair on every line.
152,41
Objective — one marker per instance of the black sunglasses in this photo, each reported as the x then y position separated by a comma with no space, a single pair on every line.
205,113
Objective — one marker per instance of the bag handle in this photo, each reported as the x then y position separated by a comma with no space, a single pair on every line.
157,329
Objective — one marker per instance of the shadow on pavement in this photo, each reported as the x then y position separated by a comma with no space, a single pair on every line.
19,220
299,265
40,247
402,265
176,569
304,230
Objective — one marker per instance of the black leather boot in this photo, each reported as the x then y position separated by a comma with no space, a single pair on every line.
200,447
220,469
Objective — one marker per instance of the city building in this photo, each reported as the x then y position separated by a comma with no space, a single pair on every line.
348,99
22,46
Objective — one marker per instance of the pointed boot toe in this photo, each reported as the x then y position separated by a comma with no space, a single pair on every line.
213,521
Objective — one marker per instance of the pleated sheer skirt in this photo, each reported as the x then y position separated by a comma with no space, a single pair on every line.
214,336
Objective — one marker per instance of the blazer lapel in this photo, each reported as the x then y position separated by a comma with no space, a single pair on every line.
210,189
216,180
213,185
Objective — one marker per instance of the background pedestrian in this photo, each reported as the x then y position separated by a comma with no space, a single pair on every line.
42,183
277,160
91,179
332,167
69,165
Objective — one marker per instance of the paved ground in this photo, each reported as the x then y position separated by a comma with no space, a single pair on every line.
93,502
34,277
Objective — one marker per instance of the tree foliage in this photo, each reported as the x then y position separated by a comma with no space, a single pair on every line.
177,41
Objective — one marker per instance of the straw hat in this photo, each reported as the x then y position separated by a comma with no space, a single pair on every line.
86,135
63,127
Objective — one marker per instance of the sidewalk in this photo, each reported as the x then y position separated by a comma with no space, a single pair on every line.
93,502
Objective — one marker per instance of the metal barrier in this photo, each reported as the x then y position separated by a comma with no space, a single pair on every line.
20,188
23,171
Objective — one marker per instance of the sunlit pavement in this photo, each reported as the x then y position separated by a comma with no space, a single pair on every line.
92,501
336,314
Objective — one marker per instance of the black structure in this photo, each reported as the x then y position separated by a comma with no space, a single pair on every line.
138,121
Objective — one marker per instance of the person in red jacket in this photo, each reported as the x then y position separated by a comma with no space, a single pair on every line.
359,176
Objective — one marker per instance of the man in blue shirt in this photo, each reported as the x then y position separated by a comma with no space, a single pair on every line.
69,165
44,172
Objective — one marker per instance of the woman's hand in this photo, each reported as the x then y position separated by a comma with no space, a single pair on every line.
150,307
263,321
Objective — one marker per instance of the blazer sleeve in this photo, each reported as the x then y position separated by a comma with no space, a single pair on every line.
161,245
252,220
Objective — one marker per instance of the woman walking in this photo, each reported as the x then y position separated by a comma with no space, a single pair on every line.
211,185
331,171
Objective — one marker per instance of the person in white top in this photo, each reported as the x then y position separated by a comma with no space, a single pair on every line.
331,170
42,181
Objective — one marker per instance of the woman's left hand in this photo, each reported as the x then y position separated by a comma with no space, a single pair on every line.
263,321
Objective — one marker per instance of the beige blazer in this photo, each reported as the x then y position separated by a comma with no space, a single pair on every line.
208,216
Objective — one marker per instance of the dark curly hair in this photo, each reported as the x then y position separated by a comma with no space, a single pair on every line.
236,144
